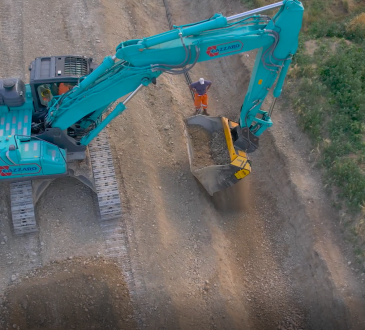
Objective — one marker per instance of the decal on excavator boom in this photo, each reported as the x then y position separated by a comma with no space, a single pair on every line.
226,48
10,170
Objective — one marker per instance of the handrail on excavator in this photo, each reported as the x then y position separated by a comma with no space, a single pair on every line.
255,11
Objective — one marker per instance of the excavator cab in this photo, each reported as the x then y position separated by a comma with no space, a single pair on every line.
55,75
214,158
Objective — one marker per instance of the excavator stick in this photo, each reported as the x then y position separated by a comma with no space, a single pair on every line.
217,175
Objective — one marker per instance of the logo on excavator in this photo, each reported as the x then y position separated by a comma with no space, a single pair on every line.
19,169
222,49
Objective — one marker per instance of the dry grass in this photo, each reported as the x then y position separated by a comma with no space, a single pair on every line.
359,229
317,9
346,5
260,3
357,22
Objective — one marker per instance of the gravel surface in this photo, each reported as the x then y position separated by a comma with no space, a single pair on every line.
72,294
219,149
208,149
263,254
201,140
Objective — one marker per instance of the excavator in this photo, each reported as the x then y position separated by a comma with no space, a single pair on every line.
54,126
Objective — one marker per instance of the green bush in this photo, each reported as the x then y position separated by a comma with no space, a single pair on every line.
330,101
345,173
328,91
331,28
344,75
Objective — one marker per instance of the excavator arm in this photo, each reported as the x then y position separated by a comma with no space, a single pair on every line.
42,133
46,125
139,62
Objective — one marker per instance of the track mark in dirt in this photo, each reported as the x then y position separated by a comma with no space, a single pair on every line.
72,294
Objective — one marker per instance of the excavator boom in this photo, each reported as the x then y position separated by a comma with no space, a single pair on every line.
46,126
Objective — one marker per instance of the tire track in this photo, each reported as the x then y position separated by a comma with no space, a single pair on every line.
120,241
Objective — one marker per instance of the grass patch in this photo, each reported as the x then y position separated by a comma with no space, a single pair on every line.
329,97
321,12
326,87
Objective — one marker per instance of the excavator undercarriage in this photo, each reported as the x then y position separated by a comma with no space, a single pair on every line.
32,156
96,171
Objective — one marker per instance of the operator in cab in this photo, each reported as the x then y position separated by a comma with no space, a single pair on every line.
200,88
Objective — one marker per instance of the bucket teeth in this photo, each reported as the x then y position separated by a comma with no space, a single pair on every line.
105,180
22,207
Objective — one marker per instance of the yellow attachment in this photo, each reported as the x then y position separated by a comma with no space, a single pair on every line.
244,172
218,177
242,162
228,135
241,174
238,158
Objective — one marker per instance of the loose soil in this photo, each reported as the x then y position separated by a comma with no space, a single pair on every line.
200,140
219,149
208,149
72,294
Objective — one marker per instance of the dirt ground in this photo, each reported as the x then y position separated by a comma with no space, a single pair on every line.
72,294
265,254
201,140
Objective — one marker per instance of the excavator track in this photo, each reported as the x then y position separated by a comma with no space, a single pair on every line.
106,184
22,207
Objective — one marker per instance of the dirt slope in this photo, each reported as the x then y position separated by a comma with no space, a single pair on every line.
28,30
73,294
262,255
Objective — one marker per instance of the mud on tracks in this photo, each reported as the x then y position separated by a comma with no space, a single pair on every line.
71,294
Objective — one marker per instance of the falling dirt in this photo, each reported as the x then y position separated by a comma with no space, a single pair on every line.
80,294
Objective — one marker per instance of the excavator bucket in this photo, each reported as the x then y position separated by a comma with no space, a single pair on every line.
214,160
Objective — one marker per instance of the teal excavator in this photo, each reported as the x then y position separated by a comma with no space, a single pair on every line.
51,125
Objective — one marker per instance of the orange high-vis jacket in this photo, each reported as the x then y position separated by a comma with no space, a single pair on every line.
62,88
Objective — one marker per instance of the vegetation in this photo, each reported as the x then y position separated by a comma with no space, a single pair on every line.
330,100
326,86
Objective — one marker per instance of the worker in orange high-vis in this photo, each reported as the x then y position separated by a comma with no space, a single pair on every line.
200,88
63,88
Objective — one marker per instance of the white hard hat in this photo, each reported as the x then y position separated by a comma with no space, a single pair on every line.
201,80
